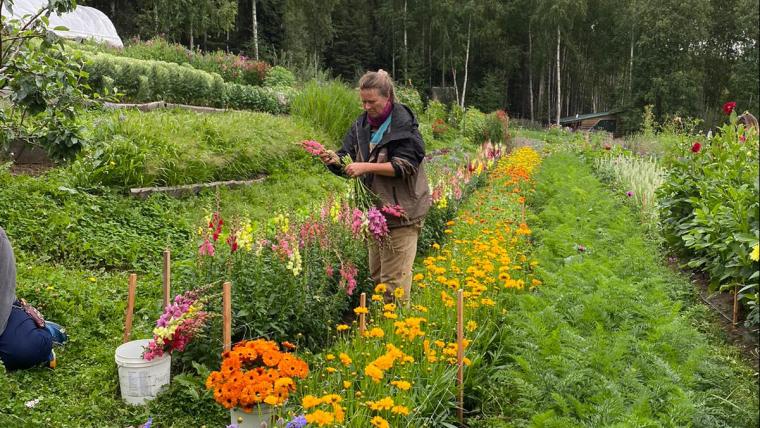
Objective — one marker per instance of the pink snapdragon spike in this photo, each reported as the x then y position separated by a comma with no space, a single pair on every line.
313,147
185,325
394,210
215,225
357,221
348,274
378,226
206,248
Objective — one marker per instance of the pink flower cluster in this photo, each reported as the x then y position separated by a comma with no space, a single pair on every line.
378,226
348,274
176,327
312,147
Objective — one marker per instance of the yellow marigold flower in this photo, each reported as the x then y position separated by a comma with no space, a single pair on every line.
466,361
331,370
346,384
755,255
448,231
310,401
471,325
376,332
379,422
390,315
535,282
329,357
342,327
418,277
331,399
382,404
373,372
389,307
359,310
450,223
381,288
340,414
398,293
401,384
400,410
345,359
436,246
320,417
377,298
419,308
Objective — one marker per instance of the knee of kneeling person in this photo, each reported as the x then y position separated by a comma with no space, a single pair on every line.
34,348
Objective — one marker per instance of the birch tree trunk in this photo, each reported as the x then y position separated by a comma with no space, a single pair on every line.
192,41
255,31
406,50
530,70
630,68
559,87
466,60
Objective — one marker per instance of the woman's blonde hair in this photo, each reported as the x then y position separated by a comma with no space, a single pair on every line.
748,120
379,80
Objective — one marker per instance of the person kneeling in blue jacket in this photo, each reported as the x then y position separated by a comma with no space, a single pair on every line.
26,340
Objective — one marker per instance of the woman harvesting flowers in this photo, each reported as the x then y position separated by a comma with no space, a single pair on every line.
387,152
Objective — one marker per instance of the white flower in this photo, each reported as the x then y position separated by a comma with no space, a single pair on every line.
31,403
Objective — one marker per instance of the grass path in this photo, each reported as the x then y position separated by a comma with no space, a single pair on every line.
612,338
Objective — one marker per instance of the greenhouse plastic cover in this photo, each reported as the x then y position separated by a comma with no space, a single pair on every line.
82,23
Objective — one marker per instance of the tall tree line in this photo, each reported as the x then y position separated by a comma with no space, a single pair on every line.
538,59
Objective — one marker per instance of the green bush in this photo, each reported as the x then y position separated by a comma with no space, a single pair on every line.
456,115
709,208
256,98
279,76
410,97
331,107
436,110
165,148
473,125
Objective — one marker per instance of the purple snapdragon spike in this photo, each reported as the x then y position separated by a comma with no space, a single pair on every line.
377,226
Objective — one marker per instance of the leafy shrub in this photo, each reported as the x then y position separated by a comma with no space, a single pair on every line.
331,107
436,110
135,149
256,98
456,115
473,125
410,97
142,81
145,81
709,208
279,76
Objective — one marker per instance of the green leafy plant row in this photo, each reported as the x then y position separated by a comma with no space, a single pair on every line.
710,209
147,80
611,337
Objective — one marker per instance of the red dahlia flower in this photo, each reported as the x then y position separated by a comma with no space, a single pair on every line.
696,147
729,107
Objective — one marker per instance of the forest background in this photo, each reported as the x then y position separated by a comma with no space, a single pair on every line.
538,60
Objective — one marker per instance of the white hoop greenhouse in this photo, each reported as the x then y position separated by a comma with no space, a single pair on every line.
83,23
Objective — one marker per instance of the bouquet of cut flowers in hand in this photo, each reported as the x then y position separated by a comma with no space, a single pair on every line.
360,197
255,372
180,322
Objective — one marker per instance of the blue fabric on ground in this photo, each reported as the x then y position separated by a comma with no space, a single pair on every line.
23,344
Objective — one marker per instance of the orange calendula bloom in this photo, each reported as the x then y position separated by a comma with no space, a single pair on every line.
379,422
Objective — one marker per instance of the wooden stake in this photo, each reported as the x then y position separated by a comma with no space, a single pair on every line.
130,307
167,276
362,317
460,356
735,318
227,315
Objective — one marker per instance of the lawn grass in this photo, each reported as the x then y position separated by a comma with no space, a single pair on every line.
612,337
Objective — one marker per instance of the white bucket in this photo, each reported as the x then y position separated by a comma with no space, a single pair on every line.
141,380
261,415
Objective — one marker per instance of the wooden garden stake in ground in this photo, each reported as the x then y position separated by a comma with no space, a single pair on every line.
735,317
460,356
167,276
227,315
130,307
362,316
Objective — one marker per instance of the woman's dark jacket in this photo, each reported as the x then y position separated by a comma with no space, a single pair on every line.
403,147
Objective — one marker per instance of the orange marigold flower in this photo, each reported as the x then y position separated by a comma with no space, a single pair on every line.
271,358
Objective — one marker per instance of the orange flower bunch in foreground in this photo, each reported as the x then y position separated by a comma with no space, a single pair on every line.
255,372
